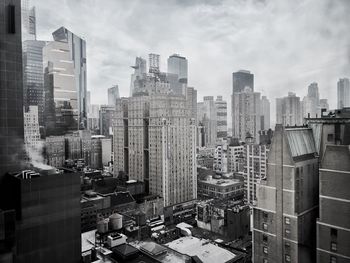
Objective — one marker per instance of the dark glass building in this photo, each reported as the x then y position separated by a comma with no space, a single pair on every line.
242,79
11,86
47,206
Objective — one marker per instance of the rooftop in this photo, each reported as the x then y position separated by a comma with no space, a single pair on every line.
206,251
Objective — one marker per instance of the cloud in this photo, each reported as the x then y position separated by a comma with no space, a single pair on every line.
286,44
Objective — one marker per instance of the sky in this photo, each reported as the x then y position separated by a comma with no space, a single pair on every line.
286,44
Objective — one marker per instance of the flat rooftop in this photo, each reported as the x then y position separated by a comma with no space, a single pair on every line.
221,181
202,248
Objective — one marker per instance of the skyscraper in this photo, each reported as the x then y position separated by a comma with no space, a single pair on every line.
65,82
11,87
343,93
288,110
191,98
113,94
207,116
242,79
287,200
246,114
178,65
311,102
221,117
265,113
28,21
140,69
154,60
33,76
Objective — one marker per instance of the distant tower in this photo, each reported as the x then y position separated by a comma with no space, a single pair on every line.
221,117
343,93
178,65
288,110
242,79
154,60
113,94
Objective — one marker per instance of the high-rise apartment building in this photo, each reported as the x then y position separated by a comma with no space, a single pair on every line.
207,117
235,156
343,93
287,200
154,142
113,95
246,114
33,76
288,110
221,117
11,87
242,79
265,113
65,83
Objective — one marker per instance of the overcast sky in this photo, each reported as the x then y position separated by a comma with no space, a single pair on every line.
287,44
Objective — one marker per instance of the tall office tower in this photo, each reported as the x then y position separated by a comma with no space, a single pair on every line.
242,79
311,102
32,143
333,225
33,76
265,113
207,116
191,97
343,92
155,142
255,164
113,95
324,105
11,87
178,66
106,119
288,110
153,60
221,117
140,69
246,114
65,83
28,21
47,206
287,200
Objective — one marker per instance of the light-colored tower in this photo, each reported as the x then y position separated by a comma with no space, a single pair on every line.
287,200
311,102
343,91
221,117
288,110
265,113
65,82
28,21
140,69
113,95
246,114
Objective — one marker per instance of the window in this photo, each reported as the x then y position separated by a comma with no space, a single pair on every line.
265,250
287,232
333,259
334,233
287,220
333,246
264,226
265,215
265,260
287,257
287,245
265,238
330,137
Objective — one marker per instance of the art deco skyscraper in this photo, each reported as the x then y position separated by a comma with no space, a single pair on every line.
65,82
11,86
155,140
343,91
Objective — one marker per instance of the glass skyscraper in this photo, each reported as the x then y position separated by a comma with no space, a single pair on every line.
65,83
